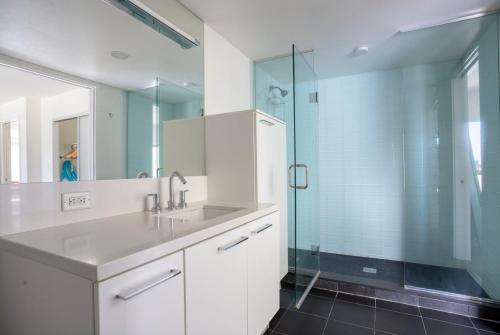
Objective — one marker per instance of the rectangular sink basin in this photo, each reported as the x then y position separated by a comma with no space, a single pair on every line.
201,214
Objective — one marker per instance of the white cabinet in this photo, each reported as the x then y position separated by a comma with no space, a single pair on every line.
39,299
216,285
246,161
271,175
232,280
226,285
146,300
263,272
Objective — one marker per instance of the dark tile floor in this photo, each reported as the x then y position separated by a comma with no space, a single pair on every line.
442,278
344,314
351,268
394,274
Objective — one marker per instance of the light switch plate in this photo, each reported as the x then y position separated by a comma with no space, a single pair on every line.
75,201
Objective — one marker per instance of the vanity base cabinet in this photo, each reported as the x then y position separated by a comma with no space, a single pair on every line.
233,280
225,285
263,272
146,300
39,299
216,285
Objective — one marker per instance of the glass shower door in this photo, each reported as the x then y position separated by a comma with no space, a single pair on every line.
303,176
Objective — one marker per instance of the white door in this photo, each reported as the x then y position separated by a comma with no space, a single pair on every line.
271,175
263,272
147,300
84,149
216,285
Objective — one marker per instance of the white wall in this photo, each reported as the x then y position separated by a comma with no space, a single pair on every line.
228,76
111,132
33,134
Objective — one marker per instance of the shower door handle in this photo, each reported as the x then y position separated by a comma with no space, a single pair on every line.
298,187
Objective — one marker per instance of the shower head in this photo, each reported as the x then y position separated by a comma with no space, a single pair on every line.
283,92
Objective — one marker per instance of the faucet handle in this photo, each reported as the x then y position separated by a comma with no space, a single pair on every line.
182,199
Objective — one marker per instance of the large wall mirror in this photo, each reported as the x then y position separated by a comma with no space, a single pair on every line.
99,89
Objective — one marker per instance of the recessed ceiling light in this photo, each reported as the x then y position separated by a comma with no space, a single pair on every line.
119,55
190,84
360,51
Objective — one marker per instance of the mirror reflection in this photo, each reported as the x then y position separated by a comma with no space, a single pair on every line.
102,101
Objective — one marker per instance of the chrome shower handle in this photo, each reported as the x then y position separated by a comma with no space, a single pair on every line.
301,187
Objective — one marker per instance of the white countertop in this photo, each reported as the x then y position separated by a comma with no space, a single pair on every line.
102,248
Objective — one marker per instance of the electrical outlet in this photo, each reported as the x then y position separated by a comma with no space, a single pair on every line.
74,201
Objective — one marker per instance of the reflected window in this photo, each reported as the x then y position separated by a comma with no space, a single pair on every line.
474,121
156,147
15,154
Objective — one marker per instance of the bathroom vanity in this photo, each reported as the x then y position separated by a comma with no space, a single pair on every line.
202,270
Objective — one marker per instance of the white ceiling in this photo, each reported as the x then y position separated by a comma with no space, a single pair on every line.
16,84
333,28
76,37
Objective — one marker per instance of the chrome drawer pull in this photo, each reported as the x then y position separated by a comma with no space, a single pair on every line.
267,123
261,229
149,285
232,244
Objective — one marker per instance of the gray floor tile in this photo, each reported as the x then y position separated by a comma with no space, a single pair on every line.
287,298
448,317
434,327
487,325
276,319
357,299
316,305
340,328
398,323
353,313
394,306
296,323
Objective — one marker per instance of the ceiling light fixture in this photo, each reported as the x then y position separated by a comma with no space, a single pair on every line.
360,51
190,84
120,55
146,15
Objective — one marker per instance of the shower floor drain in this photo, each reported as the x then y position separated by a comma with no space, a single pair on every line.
369,270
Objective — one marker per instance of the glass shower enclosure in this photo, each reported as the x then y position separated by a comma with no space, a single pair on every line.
408,140
305,175
275,79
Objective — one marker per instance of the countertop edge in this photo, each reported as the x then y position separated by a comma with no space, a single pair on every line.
140,258
113,268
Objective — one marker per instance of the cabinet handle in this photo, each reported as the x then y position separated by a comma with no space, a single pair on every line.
267,123
232,244
261,229
148,285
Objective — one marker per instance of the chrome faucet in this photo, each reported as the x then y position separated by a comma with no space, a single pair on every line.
171,200
182,200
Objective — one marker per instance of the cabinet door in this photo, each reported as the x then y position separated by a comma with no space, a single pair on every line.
146,300
263,272
271,175
216,285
